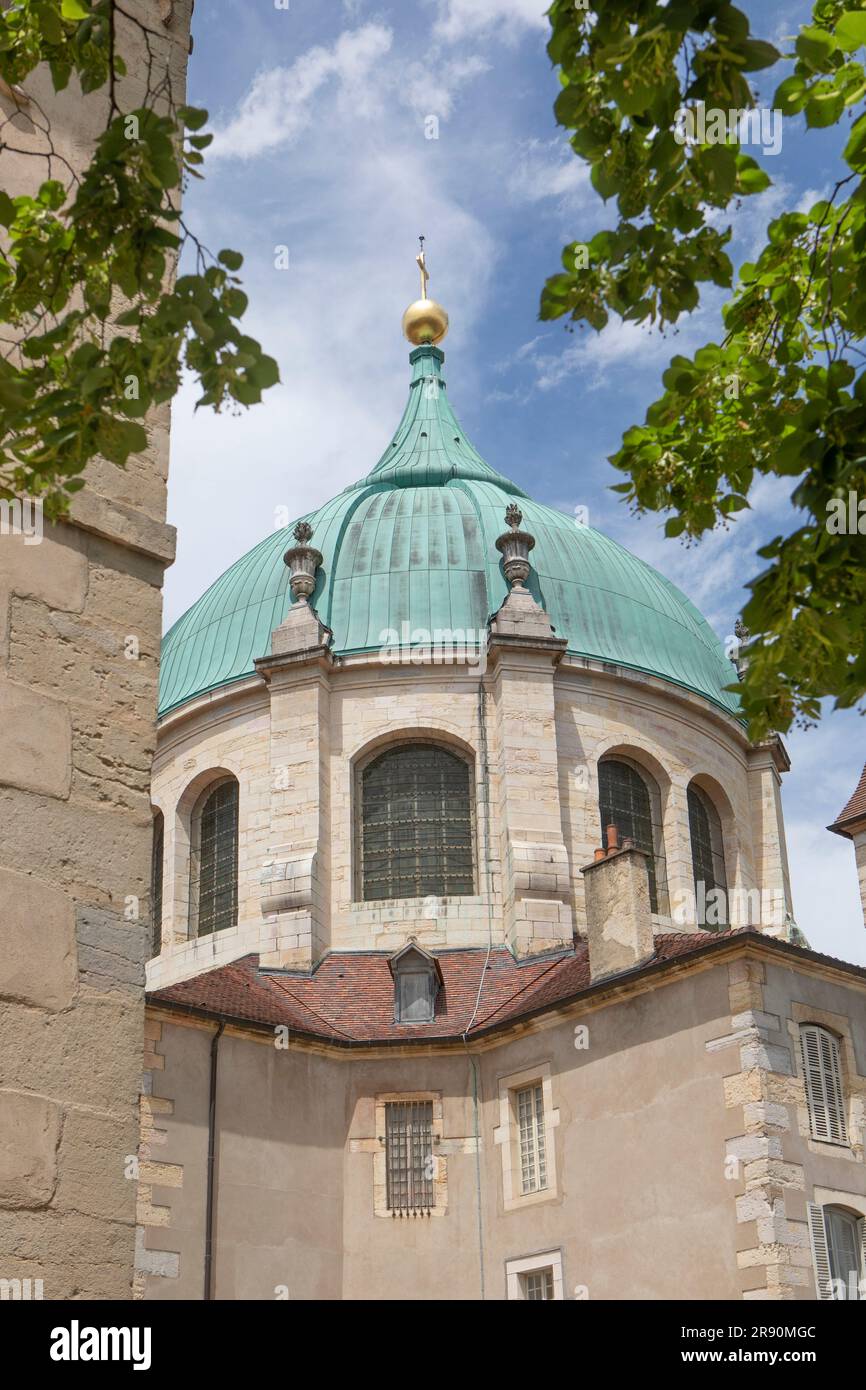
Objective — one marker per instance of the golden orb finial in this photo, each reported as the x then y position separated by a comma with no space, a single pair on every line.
425,321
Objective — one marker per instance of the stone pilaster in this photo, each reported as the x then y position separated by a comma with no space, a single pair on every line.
152,1171
523,652
773,1252
859,838
767,762
296,875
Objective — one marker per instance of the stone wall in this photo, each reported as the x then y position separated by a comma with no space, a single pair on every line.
533,734
77,736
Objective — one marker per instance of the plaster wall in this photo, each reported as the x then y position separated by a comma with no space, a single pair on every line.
644,1119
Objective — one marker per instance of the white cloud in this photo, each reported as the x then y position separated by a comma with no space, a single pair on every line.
547,169
350,211
467,18
713,571
430,87
591,356
278,105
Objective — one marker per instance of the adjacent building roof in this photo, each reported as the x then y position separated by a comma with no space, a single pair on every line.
349,999
414,543
853,811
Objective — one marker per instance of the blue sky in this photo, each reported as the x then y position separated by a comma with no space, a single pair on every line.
321,113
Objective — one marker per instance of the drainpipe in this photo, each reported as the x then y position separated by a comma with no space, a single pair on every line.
210,1211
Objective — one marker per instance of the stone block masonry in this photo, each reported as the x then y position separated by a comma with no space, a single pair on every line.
77,737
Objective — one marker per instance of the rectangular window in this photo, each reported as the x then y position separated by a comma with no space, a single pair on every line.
409,1162
530,1124
822,1072
415,996
538,1285
535,1278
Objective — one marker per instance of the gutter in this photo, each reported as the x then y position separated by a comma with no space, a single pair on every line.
210,1207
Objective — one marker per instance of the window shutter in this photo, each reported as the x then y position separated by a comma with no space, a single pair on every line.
820,1252
862,1226
823,1075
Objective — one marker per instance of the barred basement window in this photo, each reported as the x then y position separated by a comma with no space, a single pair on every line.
708,857
822,1072
214,860
628,801
156,869
531,1138
416,824
409,1161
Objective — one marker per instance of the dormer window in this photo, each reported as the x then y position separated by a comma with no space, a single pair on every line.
417,978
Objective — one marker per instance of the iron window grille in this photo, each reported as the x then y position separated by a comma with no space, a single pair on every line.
156,871
409,1161
416,824
214,860
625,801
532,1138
708,855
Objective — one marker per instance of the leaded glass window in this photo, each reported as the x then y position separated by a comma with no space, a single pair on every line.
708,858
416,824
532,1138
214,862
156,869
626,802
409,1163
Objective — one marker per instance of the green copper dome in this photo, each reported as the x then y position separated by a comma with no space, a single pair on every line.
414,542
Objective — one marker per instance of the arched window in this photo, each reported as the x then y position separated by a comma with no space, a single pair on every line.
839,1252
416,824
708,859
822,1073
157,854
213,877
629,799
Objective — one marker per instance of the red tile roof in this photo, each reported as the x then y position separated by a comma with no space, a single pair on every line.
855,809
349,999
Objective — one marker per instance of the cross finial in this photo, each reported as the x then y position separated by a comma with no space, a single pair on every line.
421,262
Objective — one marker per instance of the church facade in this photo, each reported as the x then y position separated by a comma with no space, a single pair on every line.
475,973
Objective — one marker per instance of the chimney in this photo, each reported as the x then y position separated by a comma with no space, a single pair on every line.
618,916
